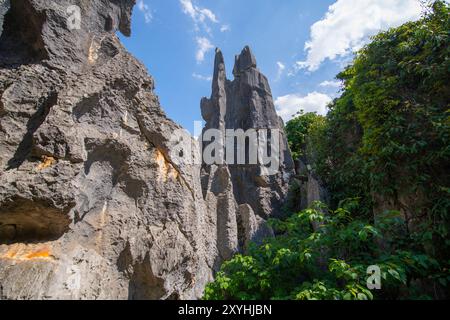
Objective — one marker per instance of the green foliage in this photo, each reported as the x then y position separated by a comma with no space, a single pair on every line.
299,128
385,145
323,254
386,139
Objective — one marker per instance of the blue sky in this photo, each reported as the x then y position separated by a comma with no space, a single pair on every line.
299,45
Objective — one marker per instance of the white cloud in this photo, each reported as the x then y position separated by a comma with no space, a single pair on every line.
200,16
145,9
204,14
203,46
281,67
201,77
332,84
348,24
225,28
287,106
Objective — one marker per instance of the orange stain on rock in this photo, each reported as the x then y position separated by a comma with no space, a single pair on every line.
11,254
22,252
46,162
44,253
165,168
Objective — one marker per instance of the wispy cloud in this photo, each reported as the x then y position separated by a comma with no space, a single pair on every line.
146,11
332,84
200,16
203,46
225,28
203,19
281,67
287,106
348,24
201,77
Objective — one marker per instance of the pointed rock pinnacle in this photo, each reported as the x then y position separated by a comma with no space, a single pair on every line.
244,61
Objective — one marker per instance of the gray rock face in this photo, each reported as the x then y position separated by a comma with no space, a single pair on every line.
255,228
92,205
94,200
244,103
4,7
312,188
220,201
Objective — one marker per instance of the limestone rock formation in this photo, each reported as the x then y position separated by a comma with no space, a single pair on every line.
92,206
243,104
255,228
96,200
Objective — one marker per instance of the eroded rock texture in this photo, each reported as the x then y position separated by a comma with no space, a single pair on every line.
95,202
91,204
250,195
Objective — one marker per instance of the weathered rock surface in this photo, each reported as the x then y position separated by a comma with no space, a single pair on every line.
91,204
4,7
244,103
95,202
312,188
255,228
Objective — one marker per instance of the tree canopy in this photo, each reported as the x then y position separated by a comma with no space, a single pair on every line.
383,152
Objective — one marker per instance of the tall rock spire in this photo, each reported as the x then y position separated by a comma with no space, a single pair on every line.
213,109
219,76
244,104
